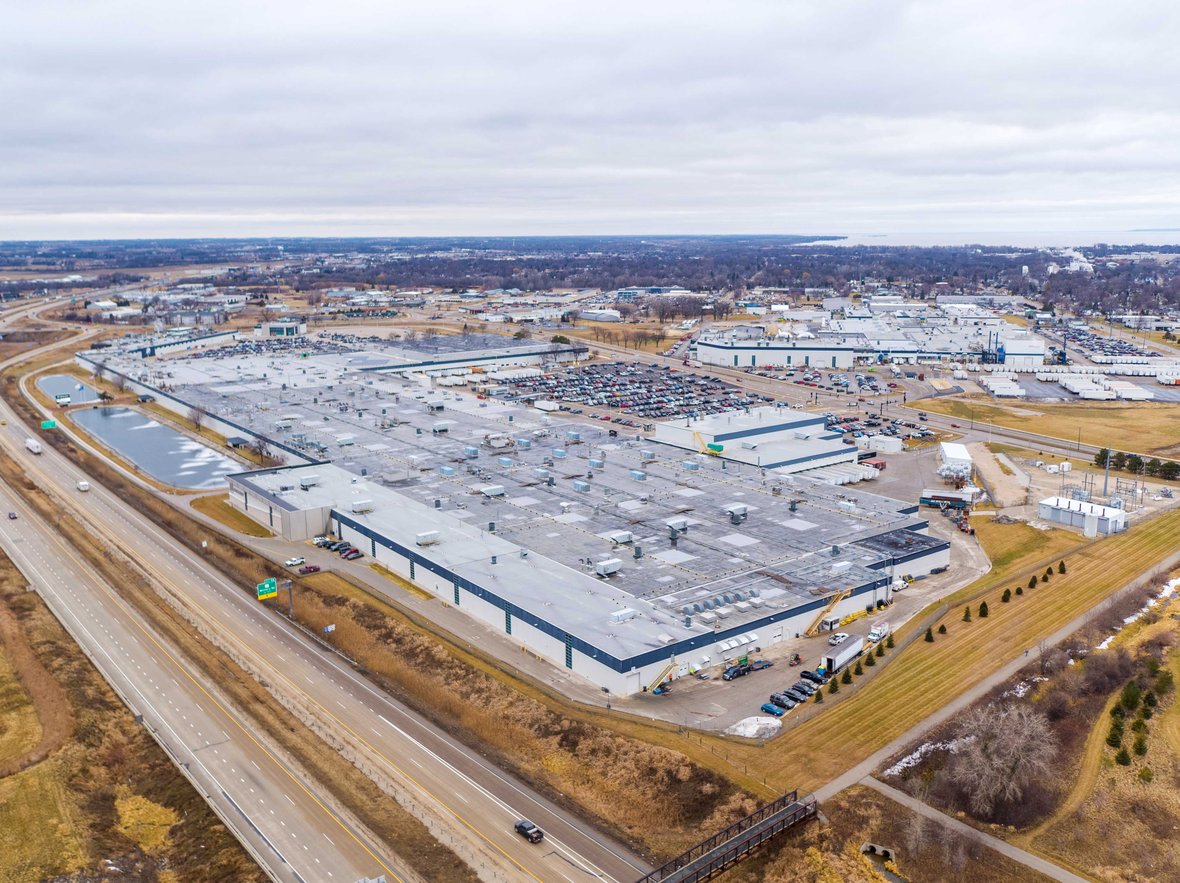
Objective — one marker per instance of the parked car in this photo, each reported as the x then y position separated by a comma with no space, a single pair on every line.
797,695
294,562
783,701
310,568
529,831
344,547
838,638
735,671
352,555
12,516
322,540
809,675
759,664
804,687
770,708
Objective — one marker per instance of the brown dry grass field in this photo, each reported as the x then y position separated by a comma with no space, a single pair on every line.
217,506
1151,428
20,728
829,852
60,814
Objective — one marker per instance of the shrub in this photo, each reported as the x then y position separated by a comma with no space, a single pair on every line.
833,687
1164,682
858,671
929,635
870,660
1044,577
1130,696
983,610
889,640
1139,725
942,629
1147,713
880,651
1145,776
846,678
1140,745
1032,581
1122,758
1007,596
1115,737
1149,699
1118,711
1048,573
1020,590
1061,567
966,614
819,696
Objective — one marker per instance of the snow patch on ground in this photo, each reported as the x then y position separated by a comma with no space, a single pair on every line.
1170,588
915,757
1022,689
755,727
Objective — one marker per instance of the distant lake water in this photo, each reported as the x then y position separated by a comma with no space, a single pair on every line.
158,450
1014,238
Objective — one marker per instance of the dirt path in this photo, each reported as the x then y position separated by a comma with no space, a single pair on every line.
49,699
1085,777
1171,718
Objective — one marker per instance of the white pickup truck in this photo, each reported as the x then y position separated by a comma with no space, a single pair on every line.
879,632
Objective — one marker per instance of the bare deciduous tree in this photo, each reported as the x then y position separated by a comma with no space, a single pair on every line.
1012,746
197,415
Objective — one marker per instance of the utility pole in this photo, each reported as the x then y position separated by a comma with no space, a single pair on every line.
1106,480
289,585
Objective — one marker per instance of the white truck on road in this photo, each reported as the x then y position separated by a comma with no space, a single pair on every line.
880,631
33,445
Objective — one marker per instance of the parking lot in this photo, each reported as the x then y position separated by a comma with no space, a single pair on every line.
646,392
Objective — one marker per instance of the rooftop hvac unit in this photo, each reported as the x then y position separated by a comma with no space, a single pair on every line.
309,481
708,618
359,506
504,461
677,524
624,614
691,465
637,474
541,474
470,451
722,611
757,602
739,509
606,568
447,471
493,490
621,536
524,443
573,435
647,455
582,486
427,538
841,566
750,445
597,464
559,453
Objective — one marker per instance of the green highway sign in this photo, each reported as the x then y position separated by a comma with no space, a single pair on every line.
268,588
49,424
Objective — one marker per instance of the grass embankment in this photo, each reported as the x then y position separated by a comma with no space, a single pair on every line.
217,507
647,791
1151,428
61,815
927,676
830,852
404,833
20,729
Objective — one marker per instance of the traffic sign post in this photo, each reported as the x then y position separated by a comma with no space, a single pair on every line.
328,629
49,424
268,588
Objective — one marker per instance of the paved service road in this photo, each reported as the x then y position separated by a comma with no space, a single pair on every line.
472,799
280,821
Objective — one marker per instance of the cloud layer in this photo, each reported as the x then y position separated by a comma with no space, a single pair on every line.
142,119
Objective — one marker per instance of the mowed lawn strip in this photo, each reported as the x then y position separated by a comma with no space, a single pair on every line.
927,676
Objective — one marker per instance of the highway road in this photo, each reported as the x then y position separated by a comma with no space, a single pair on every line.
473,801
290,832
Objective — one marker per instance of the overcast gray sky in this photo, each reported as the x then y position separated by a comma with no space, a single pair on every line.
157,118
